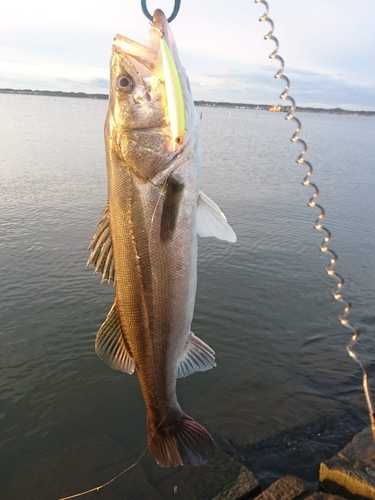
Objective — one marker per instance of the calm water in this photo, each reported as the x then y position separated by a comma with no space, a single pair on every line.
69,422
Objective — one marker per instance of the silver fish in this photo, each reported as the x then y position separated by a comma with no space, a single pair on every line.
147,238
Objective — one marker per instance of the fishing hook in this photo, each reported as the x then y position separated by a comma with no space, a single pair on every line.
176,8
337,295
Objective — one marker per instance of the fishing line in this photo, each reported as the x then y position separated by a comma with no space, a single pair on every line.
337,295
97,488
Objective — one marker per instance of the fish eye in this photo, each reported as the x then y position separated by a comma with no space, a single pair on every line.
124,83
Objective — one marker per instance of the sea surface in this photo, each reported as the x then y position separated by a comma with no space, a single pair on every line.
68,422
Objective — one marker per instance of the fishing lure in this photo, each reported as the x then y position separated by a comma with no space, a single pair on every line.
175,99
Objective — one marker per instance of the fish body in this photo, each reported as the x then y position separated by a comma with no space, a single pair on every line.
147,238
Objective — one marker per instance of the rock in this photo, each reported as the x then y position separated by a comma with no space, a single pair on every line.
244,485
351,472
223,478
286,488
323,496
361,451
293,488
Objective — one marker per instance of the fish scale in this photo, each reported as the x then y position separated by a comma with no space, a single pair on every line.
147,238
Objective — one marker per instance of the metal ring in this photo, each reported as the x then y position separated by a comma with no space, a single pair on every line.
176,8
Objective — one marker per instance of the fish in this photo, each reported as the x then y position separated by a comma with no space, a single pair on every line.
146,242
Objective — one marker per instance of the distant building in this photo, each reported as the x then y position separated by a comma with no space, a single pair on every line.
276,108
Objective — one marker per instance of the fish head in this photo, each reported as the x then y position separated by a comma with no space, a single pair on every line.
151,109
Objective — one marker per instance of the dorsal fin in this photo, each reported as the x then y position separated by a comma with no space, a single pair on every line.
110,344
101,249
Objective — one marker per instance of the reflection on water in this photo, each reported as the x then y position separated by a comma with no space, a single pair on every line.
263,304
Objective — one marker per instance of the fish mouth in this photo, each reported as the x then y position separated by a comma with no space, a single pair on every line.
157,63
146,56
159,21
143,58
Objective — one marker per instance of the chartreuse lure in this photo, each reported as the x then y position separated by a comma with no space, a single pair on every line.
174,95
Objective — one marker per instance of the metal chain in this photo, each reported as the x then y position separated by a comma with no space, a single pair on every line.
337,295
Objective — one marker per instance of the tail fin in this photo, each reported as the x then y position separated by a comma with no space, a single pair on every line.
183,442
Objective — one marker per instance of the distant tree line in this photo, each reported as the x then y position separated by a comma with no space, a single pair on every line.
236,105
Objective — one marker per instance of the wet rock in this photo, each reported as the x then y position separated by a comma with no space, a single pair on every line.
299,451
351,472
323,496
286,488
293,488
223,478
361,451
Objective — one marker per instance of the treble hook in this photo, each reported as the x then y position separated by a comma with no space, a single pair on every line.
176,8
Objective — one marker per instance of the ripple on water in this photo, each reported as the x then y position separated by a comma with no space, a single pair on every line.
263,304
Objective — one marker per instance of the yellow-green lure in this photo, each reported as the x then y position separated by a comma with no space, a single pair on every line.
174,95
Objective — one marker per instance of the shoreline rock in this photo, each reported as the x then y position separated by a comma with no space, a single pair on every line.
348,475
351,473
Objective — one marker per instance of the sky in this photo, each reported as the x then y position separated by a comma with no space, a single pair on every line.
327,46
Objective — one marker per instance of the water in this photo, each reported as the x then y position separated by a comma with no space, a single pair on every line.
69,422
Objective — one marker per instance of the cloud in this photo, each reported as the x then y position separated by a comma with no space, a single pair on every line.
101,83
329,90
325,44
92,85
19,69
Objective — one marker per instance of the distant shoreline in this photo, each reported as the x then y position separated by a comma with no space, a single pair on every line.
266,107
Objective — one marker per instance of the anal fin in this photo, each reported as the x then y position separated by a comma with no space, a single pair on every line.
197,357
110,344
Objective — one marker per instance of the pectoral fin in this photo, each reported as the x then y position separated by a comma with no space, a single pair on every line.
110,344
211,221
172,199
101,249
197,357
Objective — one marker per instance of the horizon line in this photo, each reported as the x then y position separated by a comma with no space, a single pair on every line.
98,95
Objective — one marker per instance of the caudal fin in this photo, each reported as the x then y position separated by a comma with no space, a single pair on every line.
184,442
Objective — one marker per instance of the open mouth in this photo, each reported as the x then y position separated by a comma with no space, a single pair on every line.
157,61
143,58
